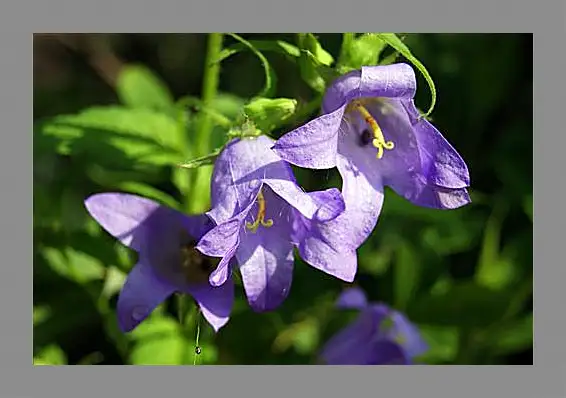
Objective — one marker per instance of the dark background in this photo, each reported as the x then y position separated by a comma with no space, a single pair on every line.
464,276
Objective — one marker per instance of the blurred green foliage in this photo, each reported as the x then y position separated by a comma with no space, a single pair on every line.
117,112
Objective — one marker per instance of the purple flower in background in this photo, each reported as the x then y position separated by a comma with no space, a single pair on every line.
261,214
379,336
372,132
168,262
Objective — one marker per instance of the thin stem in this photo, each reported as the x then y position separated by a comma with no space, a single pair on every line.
197,200
197,346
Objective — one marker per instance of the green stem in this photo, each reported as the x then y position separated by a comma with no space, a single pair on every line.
198,200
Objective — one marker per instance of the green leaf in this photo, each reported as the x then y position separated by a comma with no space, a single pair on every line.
74,265
313,61
464,304
528,206
362,51
270,78
158,341
442,344
267,114
117,135
50,355
493,270
149,192
308,42
138,87
513,336
394,41
407,274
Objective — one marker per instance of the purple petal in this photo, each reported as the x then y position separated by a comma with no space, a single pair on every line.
441,164
266,257
389,81
388,353
221,241
352,298
142,292
331,246
442,198
352,345
239,172
215,302
314,144
412,341
124,216
331,204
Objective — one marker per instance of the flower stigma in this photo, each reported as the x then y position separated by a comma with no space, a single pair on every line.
378,140
260,219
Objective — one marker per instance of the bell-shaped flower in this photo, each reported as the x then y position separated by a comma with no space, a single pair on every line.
379,336
168,262
261,215
372,132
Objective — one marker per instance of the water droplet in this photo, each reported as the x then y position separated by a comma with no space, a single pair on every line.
197,350
138,313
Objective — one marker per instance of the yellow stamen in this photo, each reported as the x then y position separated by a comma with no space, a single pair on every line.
260,219
378,141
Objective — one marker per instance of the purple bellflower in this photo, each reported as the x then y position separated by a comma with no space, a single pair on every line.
372,132
261,215
379,336
168,262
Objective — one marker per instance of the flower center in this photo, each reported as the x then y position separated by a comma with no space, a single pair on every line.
374,134
195,266
260,218
386,327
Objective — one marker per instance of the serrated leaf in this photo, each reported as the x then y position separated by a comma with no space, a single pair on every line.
139,87
394,41
112,134
270,77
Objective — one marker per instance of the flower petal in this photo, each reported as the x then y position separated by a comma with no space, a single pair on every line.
124,216
266,257
238,175
389,81
411,338
436,197
354,344
222,241
141,293
442,165
352,298
312,145
386,352
215,302
363,195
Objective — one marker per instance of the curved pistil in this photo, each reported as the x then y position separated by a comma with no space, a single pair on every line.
260,219
378,141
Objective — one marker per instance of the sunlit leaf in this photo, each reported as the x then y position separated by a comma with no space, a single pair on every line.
139,87
50,355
